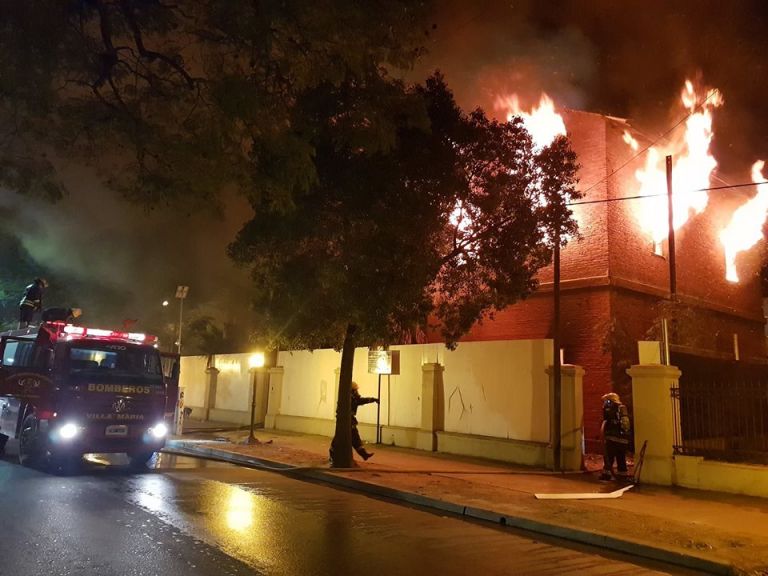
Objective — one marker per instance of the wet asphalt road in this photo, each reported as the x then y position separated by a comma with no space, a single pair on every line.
191,517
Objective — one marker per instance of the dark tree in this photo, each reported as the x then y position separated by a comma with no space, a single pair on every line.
176,101
443,219
376,207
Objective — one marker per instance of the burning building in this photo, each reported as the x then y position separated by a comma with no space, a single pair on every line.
615,279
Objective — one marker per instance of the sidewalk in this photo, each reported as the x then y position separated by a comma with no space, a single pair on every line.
712,532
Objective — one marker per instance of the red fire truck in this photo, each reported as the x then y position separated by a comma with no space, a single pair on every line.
69,390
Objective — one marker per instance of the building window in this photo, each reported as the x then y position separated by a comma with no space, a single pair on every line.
660,248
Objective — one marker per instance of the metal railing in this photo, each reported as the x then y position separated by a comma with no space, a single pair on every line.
722,415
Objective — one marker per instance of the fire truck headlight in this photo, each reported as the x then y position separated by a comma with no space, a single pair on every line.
69,431
159,430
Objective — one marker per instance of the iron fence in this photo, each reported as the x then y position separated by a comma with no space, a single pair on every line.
720,410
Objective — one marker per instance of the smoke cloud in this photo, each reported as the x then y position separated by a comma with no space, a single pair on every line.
119,261
626,59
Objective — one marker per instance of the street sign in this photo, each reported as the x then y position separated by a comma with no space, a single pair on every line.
383,361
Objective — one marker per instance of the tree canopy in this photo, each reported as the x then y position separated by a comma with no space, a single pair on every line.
446,222
177,101
378,207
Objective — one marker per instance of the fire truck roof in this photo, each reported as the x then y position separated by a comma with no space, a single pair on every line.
61,330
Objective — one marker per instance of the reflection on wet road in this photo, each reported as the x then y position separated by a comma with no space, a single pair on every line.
193,517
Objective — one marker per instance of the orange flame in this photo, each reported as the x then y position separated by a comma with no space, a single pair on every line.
543,123
693,165
746,226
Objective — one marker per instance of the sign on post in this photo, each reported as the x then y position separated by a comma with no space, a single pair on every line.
384,362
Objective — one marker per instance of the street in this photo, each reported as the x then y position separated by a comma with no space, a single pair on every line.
191,517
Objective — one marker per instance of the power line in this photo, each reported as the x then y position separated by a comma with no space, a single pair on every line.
639,197
652,144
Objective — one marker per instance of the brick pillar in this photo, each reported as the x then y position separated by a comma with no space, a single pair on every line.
275,399
209,398
571,415
653,420
432,406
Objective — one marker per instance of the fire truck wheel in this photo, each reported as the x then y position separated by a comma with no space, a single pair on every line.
139,460
30,450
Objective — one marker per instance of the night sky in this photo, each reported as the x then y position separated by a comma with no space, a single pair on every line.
624,58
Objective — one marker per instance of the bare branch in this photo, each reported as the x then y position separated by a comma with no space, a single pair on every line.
151,55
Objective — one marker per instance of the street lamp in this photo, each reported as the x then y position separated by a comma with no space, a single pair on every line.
255,364
181,293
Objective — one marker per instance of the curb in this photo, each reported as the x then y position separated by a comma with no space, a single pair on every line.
595,539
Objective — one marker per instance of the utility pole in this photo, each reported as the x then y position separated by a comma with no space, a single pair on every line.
556,377
181,294
255,364
670,213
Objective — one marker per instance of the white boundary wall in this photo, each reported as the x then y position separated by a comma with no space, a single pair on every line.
494,389
499,389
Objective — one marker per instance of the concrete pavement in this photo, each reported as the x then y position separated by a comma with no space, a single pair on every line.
711,532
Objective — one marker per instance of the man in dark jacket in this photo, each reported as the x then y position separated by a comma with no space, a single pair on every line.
32,301
357,400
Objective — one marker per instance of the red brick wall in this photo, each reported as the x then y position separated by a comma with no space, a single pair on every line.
612,282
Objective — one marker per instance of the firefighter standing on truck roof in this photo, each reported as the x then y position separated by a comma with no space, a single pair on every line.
32,301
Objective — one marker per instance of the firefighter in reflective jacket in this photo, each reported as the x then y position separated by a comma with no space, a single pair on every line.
32,301
616,431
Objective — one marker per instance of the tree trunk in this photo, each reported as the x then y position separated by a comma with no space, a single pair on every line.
341,445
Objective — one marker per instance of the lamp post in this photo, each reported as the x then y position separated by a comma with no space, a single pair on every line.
181,294
255,364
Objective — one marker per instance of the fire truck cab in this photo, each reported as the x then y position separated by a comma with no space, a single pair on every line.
69,390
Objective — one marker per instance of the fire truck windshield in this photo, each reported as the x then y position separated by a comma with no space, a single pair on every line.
113,359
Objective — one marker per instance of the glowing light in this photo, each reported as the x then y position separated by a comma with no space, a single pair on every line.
240,508
228,366
159,430
256,360
693,165
68,431
746,226
543,123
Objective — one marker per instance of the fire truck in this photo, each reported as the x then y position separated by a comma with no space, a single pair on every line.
67,390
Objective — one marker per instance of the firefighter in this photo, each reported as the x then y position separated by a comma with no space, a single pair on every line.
357,400
357,442
32,301
615,431
61,314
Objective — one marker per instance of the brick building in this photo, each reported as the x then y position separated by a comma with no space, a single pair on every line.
615,286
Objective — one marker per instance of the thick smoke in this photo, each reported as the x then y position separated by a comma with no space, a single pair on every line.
626,59
118,261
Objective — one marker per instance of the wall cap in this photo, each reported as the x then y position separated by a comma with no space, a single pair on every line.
654,370
569,369
432,367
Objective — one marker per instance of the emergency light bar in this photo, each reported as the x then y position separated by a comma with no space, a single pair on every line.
81,331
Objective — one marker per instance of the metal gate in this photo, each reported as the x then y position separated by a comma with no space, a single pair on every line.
721,409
